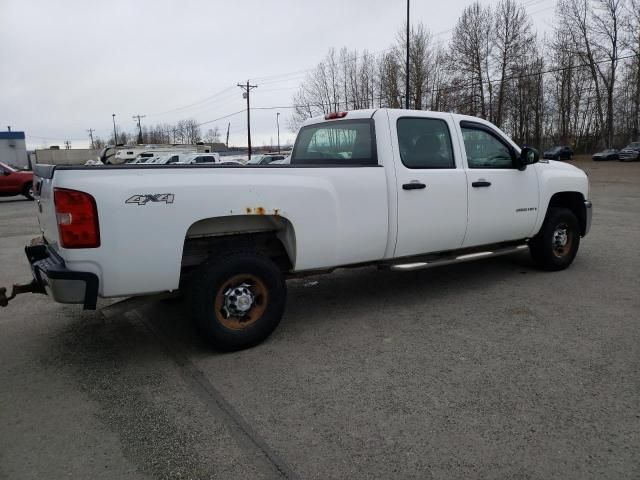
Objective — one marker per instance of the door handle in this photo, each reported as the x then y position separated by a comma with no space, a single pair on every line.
413,186
481,183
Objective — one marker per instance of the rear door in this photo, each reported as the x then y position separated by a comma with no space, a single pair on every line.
431,183
503,201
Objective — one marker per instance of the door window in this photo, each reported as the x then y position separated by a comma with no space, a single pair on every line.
425,143
485,150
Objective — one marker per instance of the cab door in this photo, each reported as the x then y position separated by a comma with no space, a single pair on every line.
431,183
503,200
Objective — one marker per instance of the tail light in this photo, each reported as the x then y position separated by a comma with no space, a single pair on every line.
77,218
334,115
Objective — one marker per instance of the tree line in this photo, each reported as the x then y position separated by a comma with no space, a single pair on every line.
183,132
578,85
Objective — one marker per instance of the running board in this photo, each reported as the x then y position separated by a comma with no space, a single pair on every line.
459,259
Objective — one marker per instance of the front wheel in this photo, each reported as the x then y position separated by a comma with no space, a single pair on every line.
556,245
237,300
27,191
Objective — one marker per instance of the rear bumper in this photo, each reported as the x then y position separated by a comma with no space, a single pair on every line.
60,283
588,210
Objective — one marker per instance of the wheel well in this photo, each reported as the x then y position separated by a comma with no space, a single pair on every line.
268,235
574,201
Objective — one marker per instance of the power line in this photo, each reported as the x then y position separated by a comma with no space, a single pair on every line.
222,118
204,100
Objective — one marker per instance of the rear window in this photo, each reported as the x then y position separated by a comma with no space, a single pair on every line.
344,142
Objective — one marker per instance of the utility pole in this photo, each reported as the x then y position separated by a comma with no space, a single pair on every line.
90,130
278,123
139,127
115,134
67,145
406,90
246,93
228,127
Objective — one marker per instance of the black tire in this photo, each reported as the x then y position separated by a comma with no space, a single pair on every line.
213,301
27,191
546,247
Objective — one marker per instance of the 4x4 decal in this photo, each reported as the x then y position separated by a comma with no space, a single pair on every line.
153,197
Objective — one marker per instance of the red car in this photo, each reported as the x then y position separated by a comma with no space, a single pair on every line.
15,182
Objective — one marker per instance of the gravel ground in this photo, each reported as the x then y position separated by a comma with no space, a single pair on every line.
489,369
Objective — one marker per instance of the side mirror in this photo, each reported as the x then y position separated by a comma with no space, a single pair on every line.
528,156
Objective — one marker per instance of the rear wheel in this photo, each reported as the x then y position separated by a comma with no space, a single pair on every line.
237,300
27,191
556,245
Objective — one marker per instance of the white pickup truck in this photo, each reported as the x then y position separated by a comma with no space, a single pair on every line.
398,189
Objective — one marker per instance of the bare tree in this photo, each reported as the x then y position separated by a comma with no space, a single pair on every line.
98,143
469,55
513,40
389,81
212,135
191,131
575,88
632,28
421,63
594,28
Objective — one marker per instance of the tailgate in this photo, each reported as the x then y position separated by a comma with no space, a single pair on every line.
43,193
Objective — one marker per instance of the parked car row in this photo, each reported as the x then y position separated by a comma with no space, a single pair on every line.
629,153
190,157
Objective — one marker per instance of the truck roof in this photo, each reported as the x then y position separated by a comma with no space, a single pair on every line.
368,113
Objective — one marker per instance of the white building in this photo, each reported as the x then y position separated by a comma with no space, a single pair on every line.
13,149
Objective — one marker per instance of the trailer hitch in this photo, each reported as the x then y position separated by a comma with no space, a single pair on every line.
17,289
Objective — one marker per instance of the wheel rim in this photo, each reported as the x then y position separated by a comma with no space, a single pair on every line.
241,301
562,240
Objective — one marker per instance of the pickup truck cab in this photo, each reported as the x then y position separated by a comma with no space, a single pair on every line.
14,182
399,189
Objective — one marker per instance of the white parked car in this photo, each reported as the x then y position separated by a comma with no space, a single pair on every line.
399,189
198,158
265,159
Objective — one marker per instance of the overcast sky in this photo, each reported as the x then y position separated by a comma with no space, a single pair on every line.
67,65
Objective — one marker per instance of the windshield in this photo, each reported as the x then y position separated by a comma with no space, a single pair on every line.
7,167
634,146
255,160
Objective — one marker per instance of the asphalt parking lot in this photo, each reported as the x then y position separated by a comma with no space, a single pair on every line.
490,369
